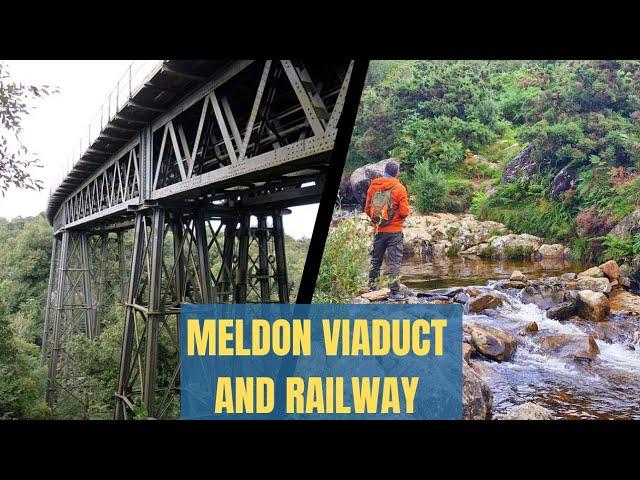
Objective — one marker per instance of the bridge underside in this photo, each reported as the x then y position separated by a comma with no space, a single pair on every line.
188,209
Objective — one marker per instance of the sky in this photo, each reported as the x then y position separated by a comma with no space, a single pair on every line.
58,122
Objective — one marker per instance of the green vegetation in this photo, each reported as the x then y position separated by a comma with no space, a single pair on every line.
343,269
518,253
621,249
457,124
25,245
16,101
453,250
429,186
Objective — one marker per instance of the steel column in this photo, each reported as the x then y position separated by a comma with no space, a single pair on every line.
52,272
226,283
263,259
242,276
100,294
155,315
177,229
204,269
281,261
128,338
55,347
122,268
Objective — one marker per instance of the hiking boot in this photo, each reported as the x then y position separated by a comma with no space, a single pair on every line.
395,297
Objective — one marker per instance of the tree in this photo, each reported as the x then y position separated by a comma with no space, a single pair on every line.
15,159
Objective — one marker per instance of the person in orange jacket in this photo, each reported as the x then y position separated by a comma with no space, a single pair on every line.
387,205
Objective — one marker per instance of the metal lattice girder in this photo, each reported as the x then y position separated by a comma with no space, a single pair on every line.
76,297
216,136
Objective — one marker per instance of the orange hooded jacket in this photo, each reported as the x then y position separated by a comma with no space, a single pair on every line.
399,200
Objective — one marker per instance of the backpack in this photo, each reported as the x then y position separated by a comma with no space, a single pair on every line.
382,207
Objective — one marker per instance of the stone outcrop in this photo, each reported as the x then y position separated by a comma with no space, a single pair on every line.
562,311
621,301
552,251
564,180
610,269
467,350
595,284
484,301
592,306
543,295
517,276
477,399
574,347
361,178
377,295
592,272
630,225
528,411
522,165
491,342
435,234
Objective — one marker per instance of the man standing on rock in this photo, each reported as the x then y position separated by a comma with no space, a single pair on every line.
387,206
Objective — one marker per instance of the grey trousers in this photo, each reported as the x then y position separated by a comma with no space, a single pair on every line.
391,243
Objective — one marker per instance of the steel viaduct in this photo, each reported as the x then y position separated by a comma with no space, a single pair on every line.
157,212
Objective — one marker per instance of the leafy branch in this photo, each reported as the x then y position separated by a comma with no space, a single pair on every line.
15,159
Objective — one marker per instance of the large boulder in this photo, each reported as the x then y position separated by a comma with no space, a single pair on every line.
484,301
467,350
517,276
610,269
361,178
593,283
510,246
630,225
528,411
522,165
594,272
562,311
575,347
491,342
543,295
622,301
477,399
564,180
377,295
592,306
551,251
619,328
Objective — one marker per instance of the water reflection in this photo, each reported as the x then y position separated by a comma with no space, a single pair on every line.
443,272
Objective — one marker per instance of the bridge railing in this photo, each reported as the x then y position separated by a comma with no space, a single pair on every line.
125,88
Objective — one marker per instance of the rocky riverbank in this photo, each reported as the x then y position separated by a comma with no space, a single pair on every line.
566,318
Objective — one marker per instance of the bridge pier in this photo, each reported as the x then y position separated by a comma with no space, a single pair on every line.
75,299
206,265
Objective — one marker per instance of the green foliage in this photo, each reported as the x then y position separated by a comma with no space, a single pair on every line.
430,187
15,104
468,119
343,270
518,253
453,250
524,207
25,245
22,381
621,249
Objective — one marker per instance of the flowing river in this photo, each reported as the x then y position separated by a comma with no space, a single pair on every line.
607,388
